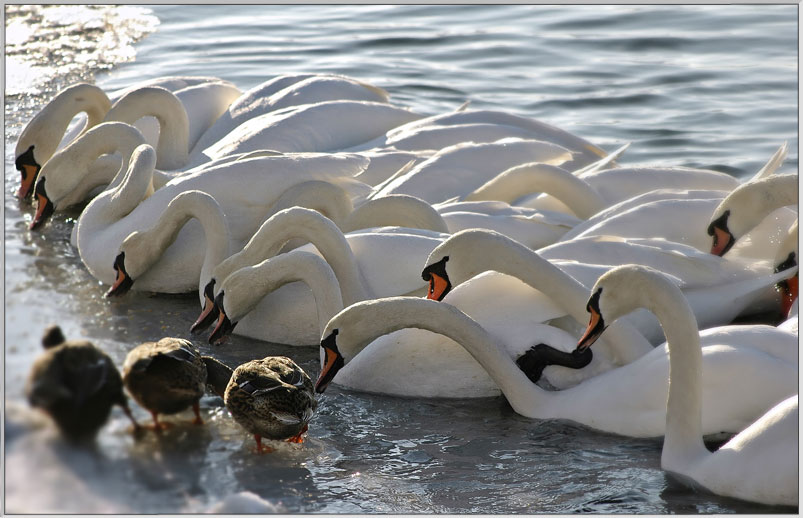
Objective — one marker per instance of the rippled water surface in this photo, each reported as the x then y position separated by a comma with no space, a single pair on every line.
687,85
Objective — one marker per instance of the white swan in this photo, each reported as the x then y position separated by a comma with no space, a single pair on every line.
48,131
458,170
483,126
629,400
115,213
457,372
758,464
285,91
323,126
138,258
746,206
368,264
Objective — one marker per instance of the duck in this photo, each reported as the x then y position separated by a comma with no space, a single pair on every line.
272,398
455,171
288,90
457,373
747,206
48,130
606,402
111,216
369,263
76,384
754,465
166,377
482,126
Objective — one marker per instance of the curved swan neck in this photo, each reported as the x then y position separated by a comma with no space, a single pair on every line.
70,172
298,222
475,251
399,210
174,132
361,323
116,202
524,179
247,286
147,246
329,199
47,128
635,287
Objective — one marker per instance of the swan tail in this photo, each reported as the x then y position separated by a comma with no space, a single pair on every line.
773,164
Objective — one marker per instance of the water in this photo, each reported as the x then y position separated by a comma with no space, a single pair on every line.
708,86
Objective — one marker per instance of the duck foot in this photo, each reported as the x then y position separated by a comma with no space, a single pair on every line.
260,448
158,426
298,439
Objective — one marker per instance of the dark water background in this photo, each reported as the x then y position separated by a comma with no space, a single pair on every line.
707,86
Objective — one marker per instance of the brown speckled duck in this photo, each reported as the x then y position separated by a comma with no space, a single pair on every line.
76,384
166,377
271,398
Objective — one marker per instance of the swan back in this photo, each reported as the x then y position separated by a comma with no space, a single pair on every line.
329,199
243,289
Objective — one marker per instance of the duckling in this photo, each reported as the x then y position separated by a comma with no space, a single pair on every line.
272,397
166,377
76,384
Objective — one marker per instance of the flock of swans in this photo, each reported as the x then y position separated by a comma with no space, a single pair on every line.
448,256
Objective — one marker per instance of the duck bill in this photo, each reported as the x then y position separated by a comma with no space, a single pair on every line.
723,241
332,363
123,281
788,289
44,209
209,313
223,329
596,326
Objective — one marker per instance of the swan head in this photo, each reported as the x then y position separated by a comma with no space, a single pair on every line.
435,274
723,238
224,326
29,169
333,361
44,207
210,311
787,287
622,290
122,281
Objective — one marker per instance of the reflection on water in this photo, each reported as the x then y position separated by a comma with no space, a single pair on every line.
662,77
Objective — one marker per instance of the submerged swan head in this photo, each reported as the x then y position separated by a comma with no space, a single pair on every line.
122,281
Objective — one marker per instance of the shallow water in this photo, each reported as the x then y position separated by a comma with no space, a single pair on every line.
698,86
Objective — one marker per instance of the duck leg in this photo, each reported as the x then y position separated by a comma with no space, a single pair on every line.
127,411
158,426
260,448
196,407
298,439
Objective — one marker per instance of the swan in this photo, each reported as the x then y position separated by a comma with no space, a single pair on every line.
118,211
139,253
628,400
458,374
720,290
47,131
457,170
285,91
369,263
746,206
309,127
756,464
482,126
